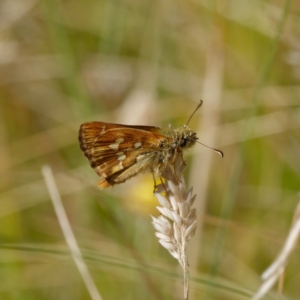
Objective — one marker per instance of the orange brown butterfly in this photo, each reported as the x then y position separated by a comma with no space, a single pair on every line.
118,152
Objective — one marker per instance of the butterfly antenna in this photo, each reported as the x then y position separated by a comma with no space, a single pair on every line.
216,150
199,105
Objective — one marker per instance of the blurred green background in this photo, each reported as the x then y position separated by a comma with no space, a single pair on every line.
63,63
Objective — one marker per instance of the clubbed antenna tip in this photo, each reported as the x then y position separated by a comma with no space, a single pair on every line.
216,150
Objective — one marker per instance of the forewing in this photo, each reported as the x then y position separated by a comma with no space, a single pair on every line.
118,152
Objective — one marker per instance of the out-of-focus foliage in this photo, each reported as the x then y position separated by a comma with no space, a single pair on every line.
63,63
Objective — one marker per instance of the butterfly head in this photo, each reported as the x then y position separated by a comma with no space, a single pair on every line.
187,137
181,138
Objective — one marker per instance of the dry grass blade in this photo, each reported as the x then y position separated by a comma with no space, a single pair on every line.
68,234
178,221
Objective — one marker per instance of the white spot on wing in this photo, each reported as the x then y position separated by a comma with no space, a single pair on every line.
117,167
119,141
114,146
137,145
122,157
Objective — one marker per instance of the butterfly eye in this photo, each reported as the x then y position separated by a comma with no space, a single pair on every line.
161,145
183,142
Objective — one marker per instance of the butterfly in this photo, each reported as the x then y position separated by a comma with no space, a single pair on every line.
118,152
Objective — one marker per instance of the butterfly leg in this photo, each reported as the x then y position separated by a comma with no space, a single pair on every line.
175,174
161,181
163,184
182,160
152,172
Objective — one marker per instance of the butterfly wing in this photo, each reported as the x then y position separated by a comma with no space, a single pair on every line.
118,152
